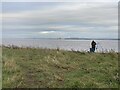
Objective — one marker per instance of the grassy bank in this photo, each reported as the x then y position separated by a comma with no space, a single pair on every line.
37,68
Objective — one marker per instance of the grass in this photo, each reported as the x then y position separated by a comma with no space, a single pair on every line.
0,68
54,68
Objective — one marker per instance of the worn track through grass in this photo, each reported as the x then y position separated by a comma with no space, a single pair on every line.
46,68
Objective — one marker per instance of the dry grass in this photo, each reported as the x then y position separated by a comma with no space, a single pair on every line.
46,68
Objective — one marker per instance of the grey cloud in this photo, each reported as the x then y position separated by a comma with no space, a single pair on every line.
96,14
95,17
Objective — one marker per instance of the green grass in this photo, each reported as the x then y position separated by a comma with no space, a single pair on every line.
0,68
54,68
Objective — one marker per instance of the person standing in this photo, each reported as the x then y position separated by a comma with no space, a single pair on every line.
93,44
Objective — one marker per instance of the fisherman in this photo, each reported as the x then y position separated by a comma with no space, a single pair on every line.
93,43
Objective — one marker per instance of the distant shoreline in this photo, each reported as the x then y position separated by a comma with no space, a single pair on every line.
65,38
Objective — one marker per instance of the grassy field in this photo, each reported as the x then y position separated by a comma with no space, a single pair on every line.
54,68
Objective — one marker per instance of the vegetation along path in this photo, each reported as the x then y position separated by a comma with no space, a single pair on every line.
51,68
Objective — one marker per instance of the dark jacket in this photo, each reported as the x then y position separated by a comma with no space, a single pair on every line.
93,44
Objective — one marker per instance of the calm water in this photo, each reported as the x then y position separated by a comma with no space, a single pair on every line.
81,45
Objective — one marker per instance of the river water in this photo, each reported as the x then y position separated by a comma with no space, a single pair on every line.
77,45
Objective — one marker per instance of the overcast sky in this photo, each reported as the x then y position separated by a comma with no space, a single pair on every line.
60,20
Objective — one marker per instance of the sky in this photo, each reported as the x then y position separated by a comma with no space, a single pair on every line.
59,19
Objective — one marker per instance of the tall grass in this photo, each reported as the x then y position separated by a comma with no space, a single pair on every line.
0,67
55,68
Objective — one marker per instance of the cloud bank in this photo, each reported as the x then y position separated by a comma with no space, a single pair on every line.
60,20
